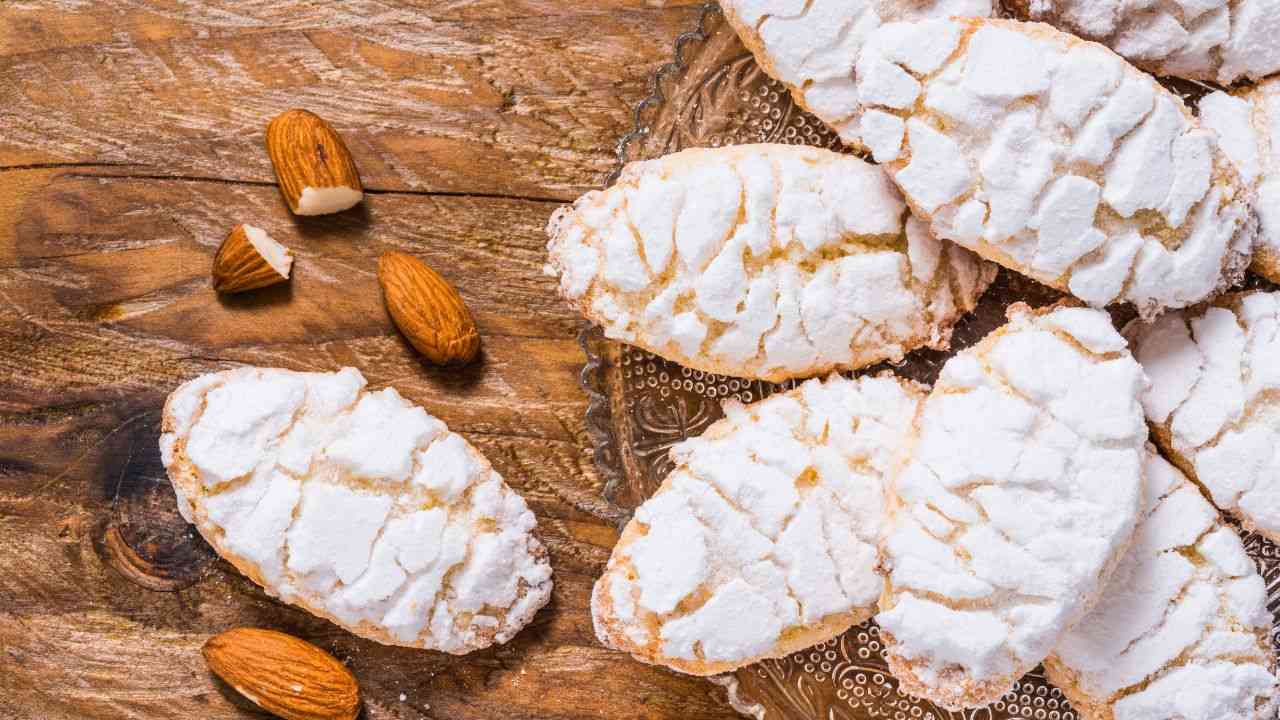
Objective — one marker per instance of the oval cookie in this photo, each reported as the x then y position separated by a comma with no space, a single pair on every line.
1018,498
761,261
1213,403
1182,630
356,506
762,539
811,46
1216,40
1054,157
1248,127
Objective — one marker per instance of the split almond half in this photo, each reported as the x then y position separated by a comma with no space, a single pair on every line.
313,166
249,259
428,310
283,674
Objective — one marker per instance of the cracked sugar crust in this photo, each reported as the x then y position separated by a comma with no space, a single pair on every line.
1182,630
1017,497
761,261
1057,159
1246,122
1216,40
1214,401
762,540
810,47
356,506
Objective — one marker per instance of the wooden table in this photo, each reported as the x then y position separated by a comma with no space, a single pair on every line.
130,142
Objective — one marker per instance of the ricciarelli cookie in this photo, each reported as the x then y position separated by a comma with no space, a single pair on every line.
762,540
1018,496
811,48
1182,630
1057,159
356,506
761,261
1248,126
1213,403
1217,40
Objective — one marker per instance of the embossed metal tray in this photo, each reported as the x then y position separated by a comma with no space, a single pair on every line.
712,94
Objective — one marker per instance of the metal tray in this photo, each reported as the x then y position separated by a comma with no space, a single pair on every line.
713,94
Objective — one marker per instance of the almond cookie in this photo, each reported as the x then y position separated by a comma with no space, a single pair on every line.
1246,122
811,47
1017,498
1054,157
1213,403
356,506
762,540
1216,40
1182,630
761,261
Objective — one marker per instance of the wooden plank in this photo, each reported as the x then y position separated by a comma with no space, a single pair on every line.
28,26
106,306
528,106
130,142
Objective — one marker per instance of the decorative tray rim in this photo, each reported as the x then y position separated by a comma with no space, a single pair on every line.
592,378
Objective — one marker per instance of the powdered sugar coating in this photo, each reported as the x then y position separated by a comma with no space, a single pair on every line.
762,540
1055,158
1212,403
1246,123
1182,630
761,261
811,47
1018,496
1216,40
355,505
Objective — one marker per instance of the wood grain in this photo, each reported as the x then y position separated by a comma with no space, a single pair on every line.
130,142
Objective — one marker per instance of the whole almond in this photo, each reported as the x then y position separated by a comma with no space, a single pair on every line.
249,259
428,310
284,674
313,166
